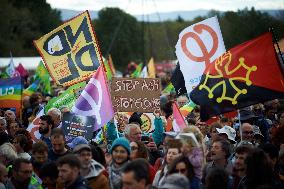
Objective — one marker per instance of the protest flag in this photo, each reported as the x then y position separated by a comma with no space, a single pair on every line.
95,100
33,127
144,73
169,88
22,71
44,77
178,81
197,47
11,70
178,120
137,71
248,74
67,98
187,108
32,88
151,68
11,93
107,69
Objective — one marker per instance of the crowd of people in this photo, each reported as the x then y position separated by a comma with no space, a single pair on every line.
242,152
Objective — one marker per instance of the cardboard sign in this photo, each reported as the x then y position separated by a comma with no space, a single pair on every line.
75,125
135,95
70,52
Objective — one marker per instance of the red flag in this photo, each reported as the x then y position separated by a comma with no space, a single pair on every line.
248,74
22,71
178,122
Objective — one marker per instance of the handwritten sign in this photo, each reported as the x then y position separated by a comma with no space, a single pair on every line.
135,95
70,52
75,125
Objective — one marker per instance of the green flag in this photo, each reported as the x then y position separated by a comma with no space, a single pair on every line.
44,77
170,88
137,72
107,69
67,98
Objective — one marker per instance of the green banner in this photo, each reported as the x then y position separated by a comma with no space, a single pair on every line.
67,98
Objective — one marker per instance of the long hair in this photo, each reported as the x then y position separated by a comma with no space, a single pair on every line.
173,144
189,166
259,170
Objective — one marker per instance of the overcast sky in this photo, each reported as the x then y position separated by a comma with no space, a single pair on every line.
152,6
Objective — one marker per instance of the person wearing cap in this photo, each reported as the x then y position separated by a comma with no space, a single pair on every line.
77,141
175,181
120,152
227,133
91,170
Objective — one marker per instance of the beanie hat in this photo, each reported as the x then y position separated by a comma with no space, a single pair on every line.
122,141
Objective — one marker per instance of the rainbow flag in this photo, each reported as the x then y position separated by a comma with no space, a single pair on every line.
32,88
187,108
11,93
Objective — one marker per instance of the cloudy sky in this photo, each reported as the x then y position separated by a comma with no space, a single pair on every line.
152,6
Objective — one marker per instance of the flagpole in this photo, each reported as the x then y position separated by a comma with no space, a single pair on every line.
240,125
276,41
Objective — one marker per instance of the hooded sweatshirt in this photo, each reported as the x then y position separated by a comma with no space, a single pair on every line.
95,178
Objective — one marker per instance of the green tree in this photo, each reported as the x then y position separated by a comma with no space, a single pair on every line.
22,22
120,35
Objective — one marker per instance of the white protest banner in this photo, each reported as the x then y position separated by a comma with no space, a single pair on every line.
198,46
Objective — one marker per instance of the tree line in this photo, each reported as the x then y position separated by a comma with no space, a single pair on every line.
122,35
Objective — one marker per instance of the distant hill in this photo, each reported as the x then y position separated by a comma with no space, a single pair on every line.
155,17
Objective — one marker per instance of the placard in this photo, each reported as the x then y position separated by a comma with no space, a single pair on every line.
136,95
75,125
70,52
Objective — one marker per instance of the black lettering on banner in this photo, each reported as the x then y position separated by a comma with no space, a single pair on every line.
82,28
92,52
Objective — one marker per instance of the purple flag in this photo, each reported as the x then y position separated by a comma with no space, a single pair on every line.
95,100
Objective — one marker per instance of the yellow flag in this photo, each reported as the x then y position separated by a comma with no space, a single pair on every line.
70,52
151,69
